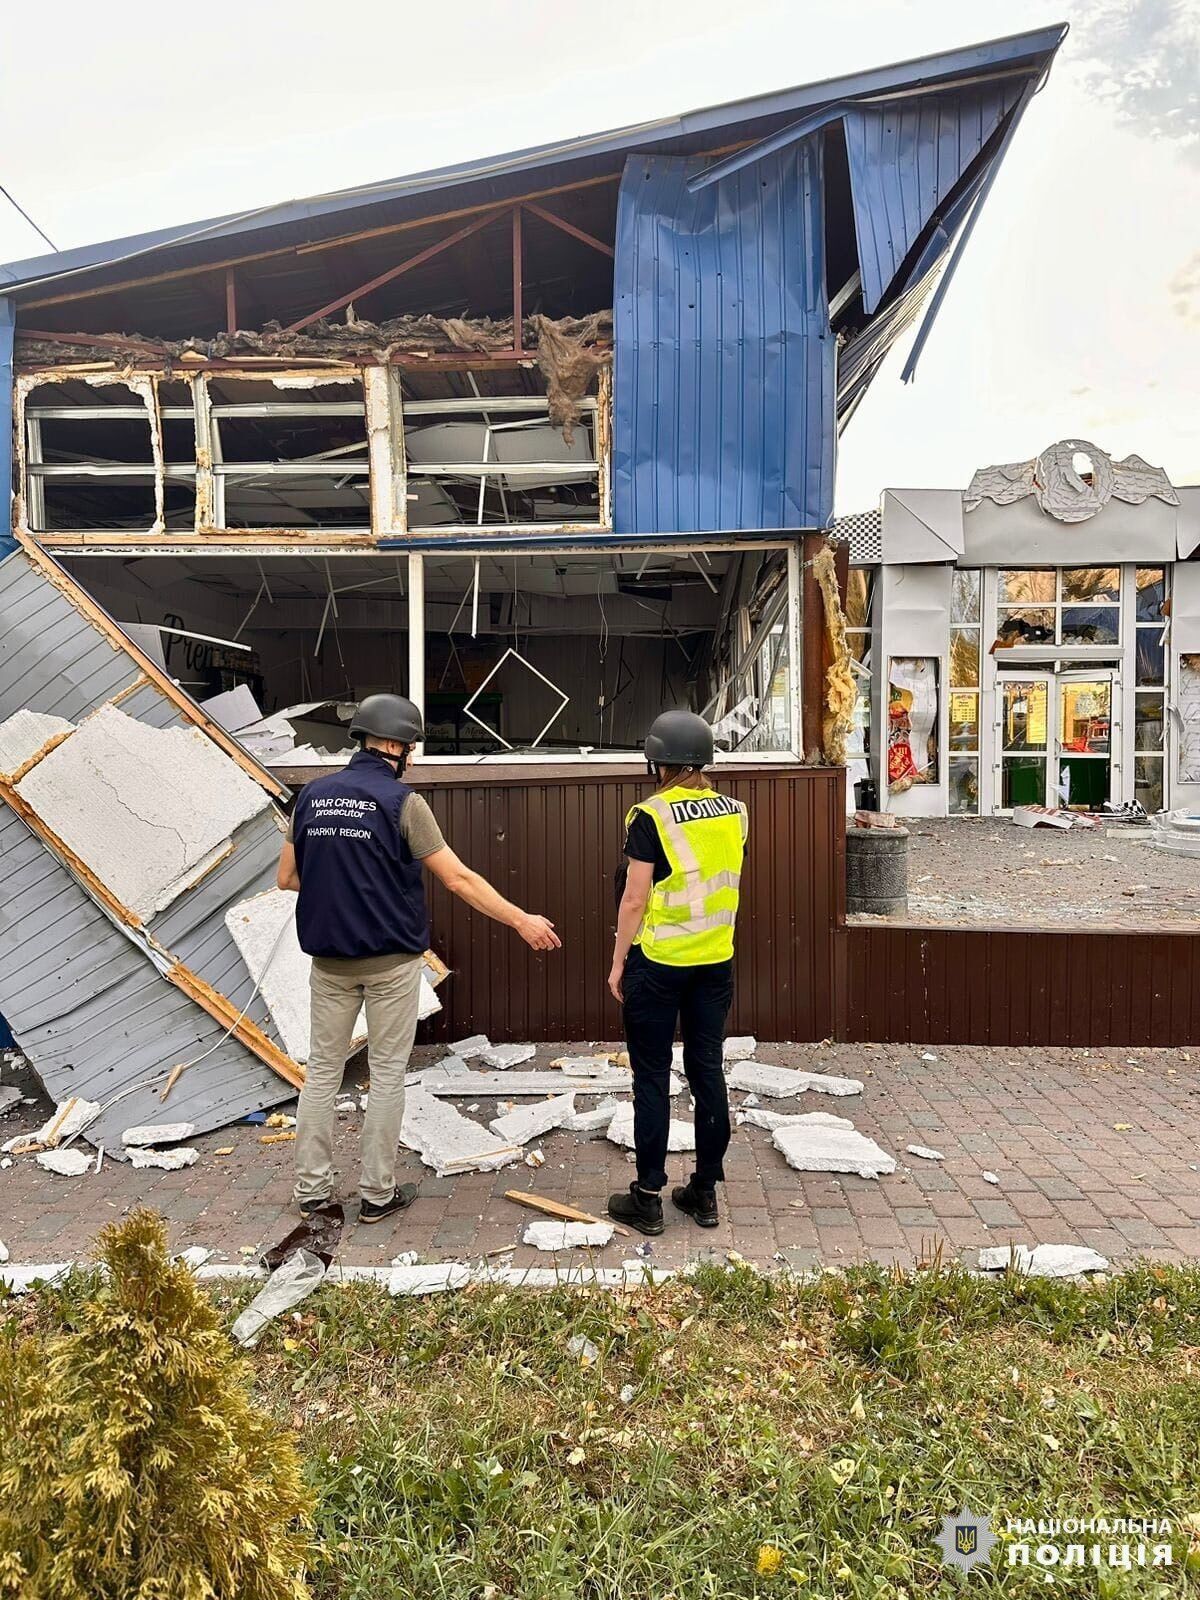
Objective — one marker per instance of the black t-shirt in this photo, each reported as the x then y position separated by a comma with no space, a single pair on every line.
642,843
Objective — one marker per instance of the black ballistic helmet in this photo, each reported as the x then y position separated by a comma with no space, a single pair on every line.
679,739
387,716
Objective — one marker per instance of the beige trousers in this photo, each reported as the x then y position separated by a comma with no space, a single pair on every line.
390,987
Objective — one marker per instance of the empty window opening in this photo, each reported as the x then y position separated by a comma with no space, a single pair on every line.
89,458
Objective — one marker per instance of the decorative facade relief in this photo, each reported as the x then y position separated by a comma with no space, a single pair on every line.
1064,491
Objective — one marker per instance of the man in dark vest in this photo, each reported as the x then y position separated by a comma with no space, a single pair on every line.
357,844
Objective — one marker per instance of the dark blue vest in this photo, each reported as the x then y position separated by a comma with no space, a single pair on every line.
361,892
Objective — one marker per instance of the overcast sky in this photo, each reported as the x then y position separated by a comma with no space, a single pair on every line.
1075,312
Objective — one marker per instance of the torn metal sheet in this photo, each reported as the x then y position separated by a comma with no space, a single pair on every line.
146,993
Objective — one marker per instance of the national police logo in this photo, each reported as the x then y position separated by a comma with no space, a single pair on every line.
965,1539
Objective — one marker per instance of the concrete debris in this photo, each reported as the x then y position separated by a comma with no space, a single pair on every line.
989,1177
512,1085
681,1136
762,1118
503,1056
152,1133
347,1105
594,1121
70,1117
20,1280
294,1280
66,1163
535,1158
1044,1260
434,1279
233,1271
924,1152
449,1142
531,1121
9,1097
149,810
739,1048
7,1162
583,1066
406,1258
194,1256
783,1082
4,1251
820,1147
474,1046
583,1349
24,734
168,1160
567,1235
451,1067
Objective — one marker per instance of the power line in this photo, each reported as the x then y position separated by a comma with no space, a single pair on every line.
28,218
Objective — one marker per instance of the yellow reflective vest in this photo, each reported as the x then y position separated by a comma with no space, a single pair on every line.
690,915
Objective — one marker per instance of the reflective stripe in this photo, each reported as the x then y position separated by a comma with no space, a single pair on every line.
714,919
685,897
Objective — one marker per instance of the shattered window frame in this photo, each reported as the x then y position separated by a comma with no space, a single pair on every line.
963,757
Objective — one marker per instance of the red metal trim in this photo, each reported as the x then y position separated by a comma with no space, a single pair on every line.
394,272
569,227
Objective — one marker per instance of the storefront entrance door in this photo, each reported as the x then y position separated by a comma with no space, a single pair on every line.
1055,739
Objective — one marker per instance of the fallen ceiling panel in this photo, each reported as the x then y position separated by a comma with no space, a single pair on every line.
104,997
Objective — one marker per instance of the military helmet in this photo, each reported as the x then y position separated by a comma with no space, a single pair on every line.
679,739
387,716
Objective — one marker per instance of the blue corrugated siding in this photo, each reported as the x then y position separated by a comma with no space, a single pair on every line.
724,364
905,158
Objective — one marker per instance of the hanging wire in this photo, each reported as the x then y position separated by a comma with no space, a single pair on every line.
16,205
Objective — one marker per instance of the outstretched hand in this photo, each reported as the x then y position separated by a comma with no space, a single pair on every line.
537,932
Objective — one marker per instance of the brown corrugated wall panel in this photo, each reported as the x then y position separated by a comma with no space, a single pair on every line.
1086,988
552,844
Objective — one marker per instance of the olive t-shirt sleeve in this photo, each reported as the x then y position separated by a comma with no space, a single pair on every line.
419,828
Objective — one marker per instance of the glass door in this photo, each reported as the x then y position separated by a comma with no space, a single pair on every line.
1084,739
1026,756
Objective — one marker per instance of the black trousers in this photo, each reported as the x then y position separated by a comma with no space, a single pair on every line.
698,998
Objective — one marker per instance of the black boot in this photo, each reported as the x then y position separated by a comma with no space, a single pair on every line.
700,1204
640,1209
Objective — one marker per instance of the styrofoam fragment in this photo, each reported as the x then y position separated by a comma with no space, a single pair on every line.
594,1121
357,1274
576,1277
474,1046
152,1133
168,1160
81,1114
924,1152
681,1135
450,1067
3,1252
819,1147
739,1048
9,1097
503,1056
444,1138
989,1177
436,1278
234,1271
1044,1260
513,1085
194,1256
760,1117
531,1121
24,733
66,1163
406,1258
19,1280
350,1104
147,809
583,1066
567,1235
783,1082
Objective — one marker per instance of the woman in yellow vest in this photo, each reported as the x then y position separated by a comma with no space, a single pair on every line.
673,963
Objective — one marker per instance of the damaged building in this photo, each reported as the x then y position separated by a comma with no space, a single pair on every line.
546,442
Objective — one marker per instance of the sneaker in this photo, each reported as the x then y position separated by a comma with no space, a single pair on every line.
402,1198
637,1208
308,1208
700,1204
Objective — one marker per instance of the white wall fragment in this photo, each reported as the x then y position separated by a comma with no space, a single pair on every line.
583,1066
19,1280
819,1147
474,1046
760,1117
447,1141
149,810
595,1120
512,1085
782,1082
681,1135
66,1163
503,1056
567,1235
924,1152
24,733
9,1097
739,1048
531,1121
1044,1260
194,1256
152,1133
168,1160
3,1252
436,1278
57,1129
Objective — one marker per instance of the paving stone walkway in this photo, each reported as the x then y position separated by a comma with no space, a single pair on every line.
1093,1148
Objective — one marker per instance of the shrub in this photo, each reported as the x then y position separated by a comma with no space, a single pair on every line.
136,1464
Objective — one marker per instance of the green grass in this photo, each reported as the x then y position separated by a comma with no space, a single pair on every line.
458,1449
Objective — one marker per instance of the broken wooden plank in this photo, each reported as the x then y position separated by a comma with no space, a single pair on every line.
555,1208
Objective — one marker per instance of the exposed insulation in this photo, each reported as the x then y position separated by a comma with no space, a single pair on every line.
840,691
